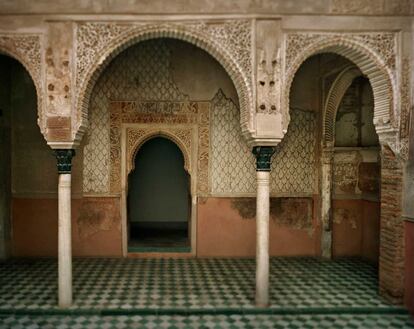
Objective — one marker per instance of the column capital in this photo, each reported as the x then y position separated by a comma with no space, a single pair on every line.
263,156
64,160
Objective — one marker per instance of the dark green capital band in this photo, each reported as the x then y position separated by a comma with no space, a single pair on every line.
64,160
263,156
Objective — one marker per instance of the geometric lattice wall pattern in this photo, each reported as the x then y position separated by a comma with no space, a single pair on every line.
293,165
232,161
140,73
233,164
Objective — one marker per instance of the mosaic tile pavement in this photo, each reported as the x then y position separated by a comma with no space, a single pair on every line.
208,321
196,293
190,284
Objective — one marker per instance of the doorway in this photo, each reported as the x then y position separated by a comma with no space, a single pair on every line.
159,199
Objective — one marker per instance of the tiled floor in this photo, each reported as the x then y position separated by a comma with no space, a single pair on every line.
190,283
213,293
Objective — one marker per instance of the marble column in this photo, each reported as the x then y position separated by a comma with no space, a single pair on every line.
326,201
263,160
64,165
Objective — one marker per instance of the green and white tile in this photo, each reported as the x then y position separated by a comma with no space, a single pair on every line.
190,284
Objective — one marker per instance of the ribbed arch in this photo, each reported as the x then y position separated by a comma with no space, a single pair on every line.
367,61
333,100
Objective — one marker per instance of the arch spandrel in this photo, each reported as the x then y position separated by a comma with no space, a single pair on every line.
26,49
229,42
373,53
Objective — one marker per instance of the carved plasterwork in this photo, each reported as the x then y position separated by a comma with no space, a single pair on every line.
373,52
181,136
189,115
27,49
405,113
228,41
268,64
372,7
233,164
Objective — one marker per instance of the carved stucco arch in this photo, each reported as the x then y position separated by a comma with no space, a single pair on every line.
182,32
154,134
333,100
378,70
25,49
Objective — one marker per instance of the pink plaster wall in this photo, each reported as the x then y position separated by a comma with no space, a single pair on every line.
96,229
356,226
409,266
223,232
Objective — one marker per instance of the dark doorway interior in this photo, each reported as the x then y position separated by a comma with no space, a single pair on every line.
159,199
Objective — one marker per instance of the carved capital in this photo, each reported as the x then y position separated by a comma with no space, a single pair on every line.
64,160
263,156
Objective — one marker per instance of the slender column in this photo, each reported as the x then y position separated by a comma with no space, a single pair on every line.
263,160
326,190
64,164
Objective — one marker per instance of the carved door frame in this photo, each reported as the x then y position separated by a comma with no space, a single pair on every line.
133,136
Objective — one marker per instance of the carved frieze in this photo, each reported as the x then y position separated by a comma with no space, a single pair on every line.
372,7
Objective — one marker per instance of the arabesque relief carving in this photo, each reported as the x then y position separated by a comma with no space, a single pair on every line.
189,115
228,41
181,136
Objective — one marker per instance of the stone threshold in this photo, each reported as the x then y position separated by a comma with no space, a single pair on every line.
213,311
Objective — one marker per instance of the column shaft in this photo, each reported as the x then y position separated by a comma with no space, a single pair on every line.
64,165
263,161
65,241
262,236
